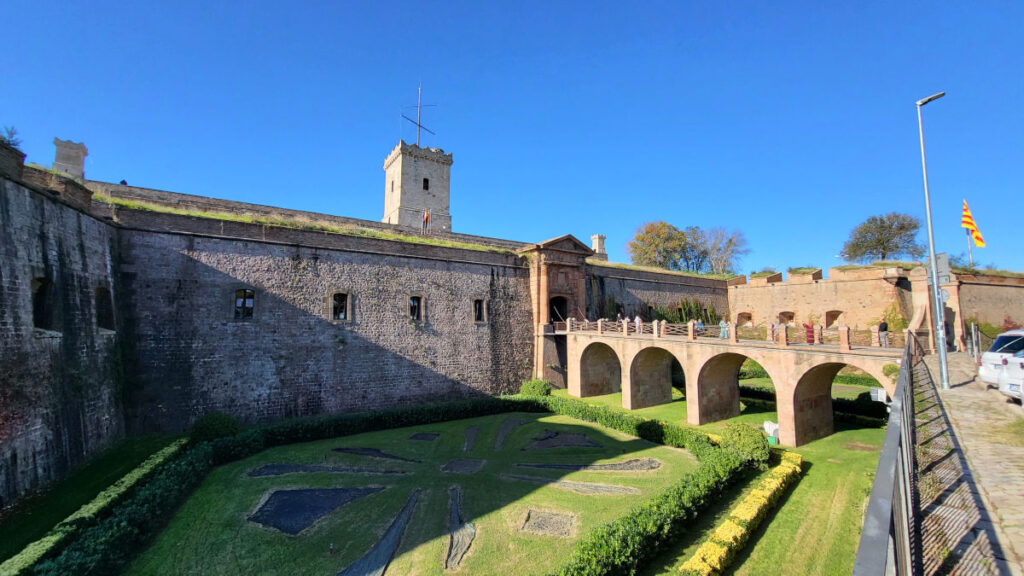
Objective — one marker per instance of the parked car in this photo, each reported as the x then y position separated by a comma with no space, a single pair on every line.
1011,377
994,362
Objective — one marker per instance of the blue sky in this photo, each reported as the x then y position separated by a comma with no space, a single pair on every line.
792,121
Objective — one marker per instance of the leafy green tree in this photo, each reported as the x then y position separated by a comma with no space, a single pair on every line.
882,238
695,254
658,244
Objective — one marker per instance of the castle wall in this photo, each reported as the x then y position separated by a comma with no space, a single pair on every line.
59,386
191,356
861,296
635,290
992,299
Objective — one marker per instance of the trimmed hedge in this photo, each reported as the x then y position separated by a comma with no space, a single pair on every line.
213,425
618,547
535,387
69,528
719,550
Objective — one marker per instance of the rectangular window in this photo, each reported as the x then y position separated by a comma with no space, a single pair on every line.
244,301
339,307
415,308
426,183
42,305
478,311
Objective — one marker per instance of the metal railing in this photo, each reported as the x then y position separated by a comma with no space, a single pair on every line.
887,541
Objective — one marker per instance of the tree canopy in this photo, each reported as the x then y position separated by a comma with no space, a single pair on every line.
882,238
693,249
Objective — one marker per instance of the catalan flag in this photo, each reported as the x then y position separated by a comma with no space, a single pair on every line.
967,221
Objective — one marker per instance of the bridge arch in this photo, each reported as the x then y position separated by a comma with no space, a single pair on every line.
650,378
600,370
716,391
811,403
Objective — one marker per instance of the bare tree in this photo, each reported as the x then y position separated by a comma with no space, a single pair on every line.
725,249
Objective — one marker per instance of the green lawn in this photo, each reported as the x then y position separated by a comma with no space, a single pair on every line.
816,529
211,534
34,516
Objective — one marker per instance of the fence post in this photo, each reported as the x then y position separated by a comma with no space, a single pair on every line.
654,327
817,334
844,338
876,341
625,327
691,330
600,325
732,332
782,338
568,324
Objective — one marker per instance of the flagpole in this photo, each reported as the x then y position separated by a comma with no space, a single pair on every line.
970,254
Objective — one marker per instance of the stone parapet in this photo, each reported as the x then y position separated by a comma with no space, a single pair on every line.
12,161
70,190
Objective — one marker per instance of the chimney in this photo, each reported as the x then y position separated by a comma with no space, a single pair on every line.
70,158
597,245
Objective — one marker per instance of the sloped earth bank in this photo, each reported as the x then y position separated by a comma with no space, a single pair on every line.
468,519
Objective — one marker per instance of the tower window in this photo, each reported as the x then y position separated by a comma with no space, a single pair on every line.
479,314
426,183
340,307
244,302
392,185
104,309
416,308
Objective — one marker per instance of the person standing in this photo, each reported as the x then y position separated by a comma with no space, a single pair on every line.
700,326
883,333
723,329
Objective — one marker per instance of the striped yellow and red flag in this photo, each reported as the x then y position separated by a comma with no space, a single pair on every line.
967,221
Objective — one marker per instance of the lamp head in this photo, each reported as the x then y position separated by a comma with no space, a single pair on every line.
924,101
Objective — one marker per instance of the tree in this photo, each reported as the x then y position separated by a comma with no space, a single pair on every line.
725,249
658,244
883,237
694,255
10,137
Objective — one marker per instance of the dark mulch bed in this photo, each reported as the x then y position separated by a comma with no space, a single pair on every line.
292,511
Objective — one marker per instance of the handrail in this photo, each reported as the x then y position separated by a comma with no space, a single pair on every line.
891,521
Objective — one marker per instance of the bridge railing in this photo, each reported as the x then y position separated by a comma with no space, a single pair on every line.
889,536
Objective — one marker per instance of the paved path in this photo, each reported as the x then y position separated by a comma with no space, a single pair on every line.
971,483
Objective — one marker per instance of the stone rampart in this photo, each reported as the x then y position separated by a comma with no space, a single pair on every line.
991,299
59,400
635,290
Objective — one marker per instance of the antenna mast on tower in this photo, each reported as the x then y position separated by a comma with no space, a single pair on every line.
419,110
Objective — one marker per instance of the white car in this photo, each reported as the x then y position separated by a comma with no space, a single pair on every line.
995,364
1011,378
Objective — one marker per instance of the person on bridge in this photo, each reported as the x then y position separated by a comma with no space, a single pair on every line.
883,333
809,329
723,329
700,326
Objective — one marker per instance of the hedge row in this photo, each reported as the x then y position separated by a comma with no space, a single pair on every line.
862,406
69,528
718,551
108,545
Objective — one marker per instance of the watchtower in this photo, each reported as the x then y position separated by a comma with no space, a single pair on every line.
416,181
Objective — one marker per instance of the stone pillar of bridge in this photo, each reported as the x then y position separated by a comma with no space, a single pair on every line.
844,338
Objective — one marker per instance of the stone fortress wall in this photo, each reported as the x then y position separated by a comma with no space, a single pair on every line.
117,319
61,371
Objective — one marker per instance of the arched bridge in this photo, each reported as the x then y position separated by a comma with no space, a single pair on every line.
612,356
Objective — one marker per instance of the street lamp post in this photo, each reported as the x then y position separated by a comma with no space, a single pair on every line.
940,321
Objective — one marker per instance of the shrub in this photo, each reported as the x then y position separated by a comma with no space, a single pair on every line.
213,425
748,443
751,369
54,540
535,387
891,371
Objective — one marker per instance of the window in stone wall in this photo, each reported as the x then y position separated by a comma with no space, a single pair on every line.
426,183
245,300
341,307
104,309
416,312
42,304
479,311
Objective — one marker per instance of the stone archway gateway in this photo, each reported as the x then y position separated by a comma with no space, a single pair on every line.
600,371
559,308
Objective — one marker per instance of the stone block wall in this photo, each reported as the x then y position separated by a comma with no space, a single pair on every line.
991,299
635,290
190,355
861,297
59,399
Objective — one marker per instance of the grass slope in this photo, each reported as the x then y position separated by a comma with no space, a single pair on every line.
816,528
34,516
210,533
